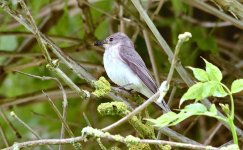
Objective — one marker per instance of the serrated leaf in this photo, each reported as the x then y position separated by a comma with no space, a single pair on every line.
200,74
194,92
213,71
237,86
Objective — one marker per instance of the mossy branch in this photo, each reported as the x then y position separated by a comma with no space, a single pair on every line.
120,109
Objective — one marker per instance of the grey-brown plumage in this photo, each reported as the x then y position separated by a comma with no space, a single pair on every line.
135,62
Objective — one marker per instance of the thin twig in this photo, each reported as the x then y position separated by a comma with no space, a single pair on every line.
34,63
82,93
151,56
27,127
77,146
64,103
122,24
102,147
113,138
86,119
212,134
52,119
51,63
36,31
134,112
57,38
59,115
213,11
161,94
4,137
9,123
36,97
156,12
5,53
172,94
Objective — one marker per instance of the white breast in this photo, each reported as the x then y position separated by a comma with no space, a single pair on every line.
120,73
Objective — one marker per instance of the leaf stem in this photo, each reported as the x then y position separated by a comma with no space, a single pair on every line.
231,115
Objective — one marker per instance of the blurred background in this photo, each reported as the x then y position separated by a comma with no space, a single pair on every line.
74,25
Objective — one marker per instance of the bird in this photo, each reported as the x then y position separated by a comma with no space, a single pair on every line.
124,66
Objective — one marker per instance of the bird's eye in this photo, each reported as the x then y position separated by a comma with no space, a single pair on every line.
111,39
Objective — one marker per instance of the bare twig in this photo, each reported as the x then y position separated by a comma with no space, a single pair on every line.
64,103
36,97
151,56
160,94
109,137
233,6
69,131
213,11
57,38
134,112
35,30
106,135
156,12
27,127
172,94
4,138
97,139
59,115
34,63
212,133
5,118
206,24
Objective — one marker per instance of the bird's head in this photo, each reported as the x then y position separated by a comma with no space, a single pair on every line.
114,39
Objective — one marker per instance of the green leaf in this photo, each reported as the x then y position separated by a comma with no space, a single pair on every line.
171,118
194,92
201,90
213,72
219,91
213,109
237,86
164,120
195,108
200,74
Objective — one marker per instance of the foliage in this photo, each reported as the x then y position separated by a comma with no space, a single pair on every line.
73,28
209,85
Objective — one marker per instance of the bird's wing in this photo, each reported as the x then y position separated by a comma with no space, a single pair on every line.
135,62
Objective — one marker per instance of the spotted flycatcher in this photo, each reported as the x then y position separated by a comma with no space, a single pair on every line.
124,66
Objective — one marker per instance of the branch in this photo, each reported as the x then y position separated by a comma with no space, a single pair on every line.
137,110
233,6
91,131
27,127
213,11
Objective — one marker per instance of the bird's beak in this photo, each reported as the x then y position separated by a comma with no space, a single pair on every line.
100,43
